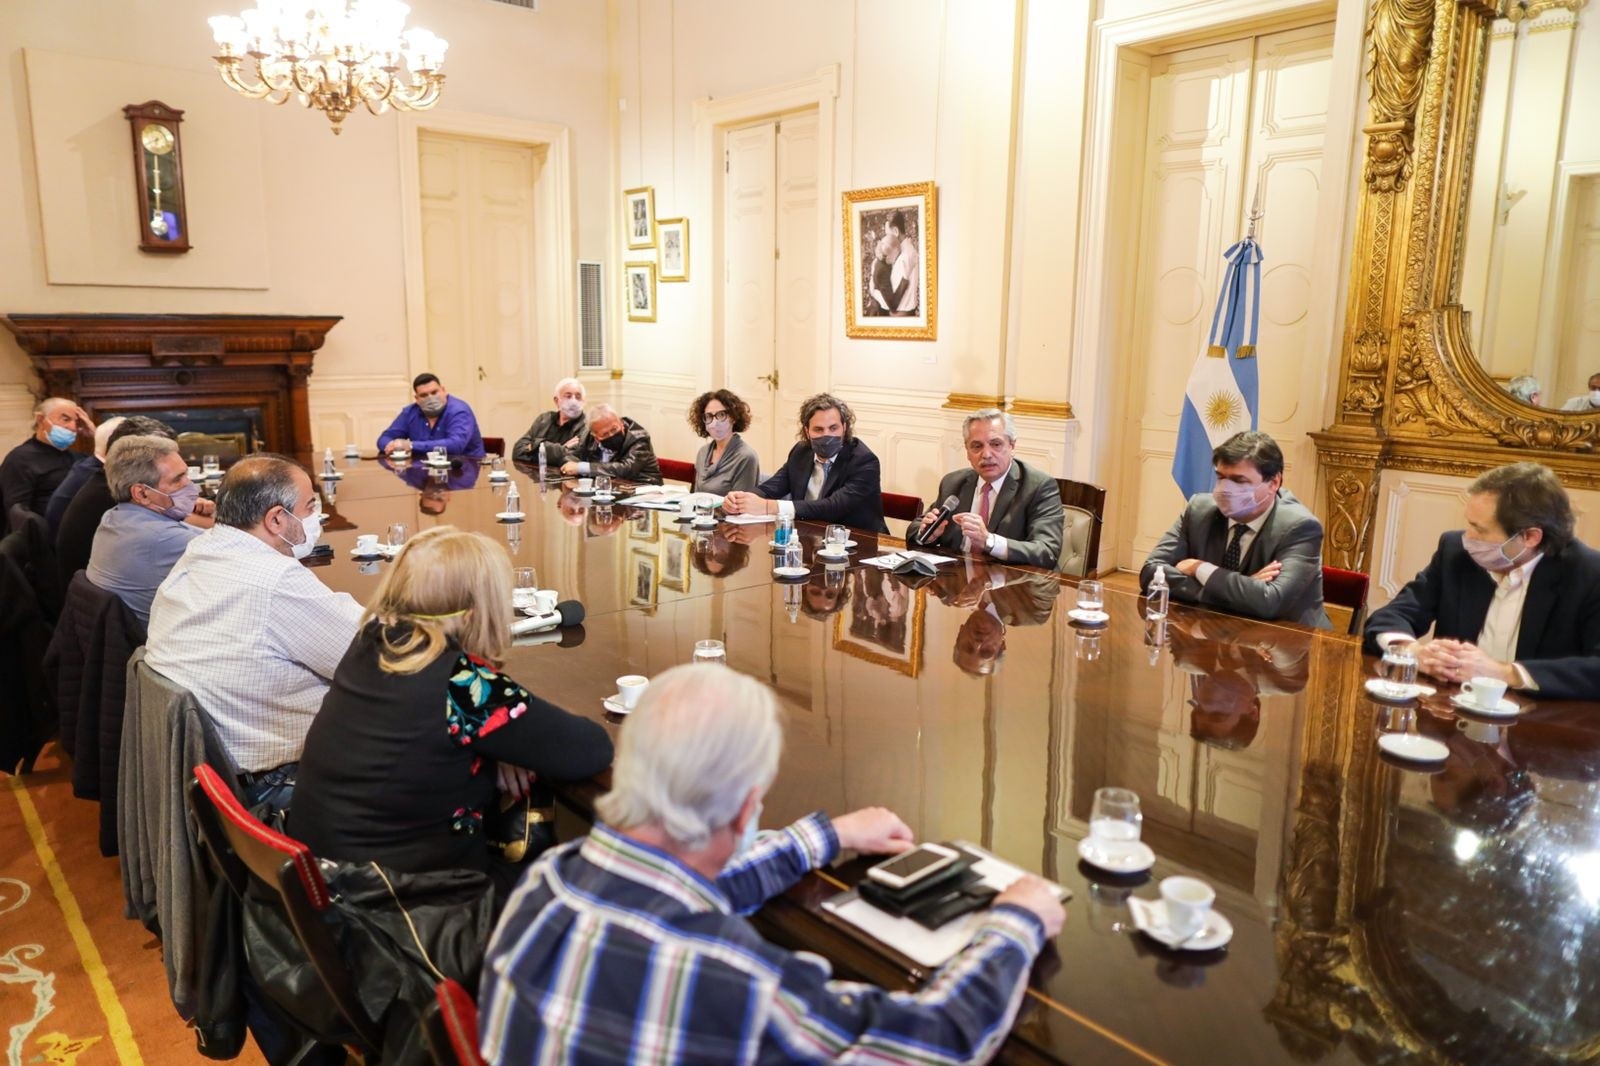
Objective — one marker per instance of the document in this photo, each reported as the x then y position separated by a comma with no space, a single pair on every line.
749,519
894,559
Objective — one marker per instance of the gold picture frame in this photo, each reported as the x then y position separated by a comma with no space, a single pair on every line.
672,236
901,652
639,291
675,550
642,526
879,227
644,579
639,216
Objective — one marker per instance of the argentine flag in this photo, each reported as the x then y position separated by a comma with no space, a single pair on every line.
1221,398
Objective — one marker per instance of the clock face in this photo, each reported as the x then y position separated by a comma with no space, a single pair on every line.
156,138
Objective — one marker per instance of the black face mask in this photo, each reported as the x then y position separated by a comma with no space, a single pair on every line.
612,443
826,448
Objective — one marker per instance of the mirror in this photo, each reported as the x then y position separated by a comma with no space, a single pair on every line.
1529,273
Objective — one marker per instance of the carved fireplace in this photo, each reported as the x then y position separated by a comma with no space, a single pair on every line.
223,375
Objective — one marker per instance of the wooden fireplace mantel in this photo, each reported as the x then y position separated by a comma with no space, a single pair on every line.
131,363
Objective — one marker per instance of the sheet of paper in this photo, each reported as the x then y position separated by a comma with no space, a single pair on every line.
893,559
749,519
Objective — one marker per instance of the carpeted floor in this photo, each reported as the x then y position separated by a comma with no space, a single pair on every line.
80,985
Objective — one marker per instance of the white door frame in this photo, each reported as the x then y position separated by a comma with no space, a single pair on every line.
712,120
555,309
1098,315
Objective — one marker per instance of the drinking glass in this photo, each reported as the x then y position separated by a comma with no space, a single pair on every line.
210,465
709,651
602,485
836,537
1399,668
1115,816
497,467
1086,646
1091,595
397,535
526,585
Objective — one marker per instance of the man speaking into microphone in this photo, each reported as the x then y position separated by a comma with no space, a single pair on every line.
1004,508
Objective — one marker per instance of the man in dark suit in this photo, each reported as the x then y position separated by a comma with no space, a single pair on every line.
615,446
1514,596
830,475
555,430
1232,662
1248,547
1007,510
1023,600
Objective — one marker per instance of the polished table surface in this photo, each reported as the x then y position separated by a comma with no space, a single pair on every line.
1383,912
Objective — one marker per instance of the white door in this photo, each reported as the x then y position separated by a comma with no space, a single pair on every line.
1579,351
771,294
1223,119
478,275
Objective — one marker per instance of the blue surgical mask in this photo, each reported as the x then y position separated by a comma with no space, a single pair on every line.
747,839
62,437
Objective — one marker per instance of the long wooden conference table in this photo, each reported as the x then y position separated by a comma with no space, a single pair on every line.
1383,912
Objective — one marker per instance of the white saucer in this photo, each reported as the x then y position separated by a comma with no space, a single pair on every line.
1413,747
1378,688
374,557
583,492
704,523
613,703
335,476
511,516
1093,618
1117,857
775,544
399,455
606,498
1506,709
833,557
1150,916
499,475
791,571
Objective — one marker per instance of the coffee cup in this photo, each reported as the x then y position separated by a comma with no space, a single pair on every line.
352,451
1485,692
367,544
586,484
1188,899
1482,732
686,508
195,473
629,688
545,600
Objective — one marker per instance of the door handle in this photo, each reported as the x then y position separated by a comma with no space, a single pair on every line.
771,379
481,374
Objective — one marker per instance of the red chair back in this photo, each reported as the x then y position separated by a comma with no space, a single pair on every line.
905,508
676,470
451,1029
1346,588
494,446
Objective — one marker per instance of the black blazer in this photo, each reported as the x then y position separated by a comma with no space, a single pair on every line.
852,495
1559,642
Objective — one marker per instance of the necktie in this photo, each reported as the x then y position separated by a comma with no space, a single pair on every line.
1230,558
819,474
983,513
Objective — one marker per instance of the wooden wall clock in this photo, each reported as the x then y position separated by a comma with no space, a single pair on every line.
158,172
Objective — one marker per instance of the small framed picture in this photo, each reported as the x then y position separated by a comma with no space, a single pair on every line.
643,579
675,561
891,262
642,526
639,216
640,280
674,236
883,623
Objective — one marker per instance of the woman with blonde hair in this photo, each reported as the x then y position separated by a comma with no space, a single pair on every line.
400,764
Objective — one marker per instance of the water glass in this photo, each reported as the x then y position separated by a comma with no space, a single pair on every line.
397,535
497,467
709,651
210,465
836,537
438,455
1115,817
527,584
602,485
1086,646
1399,668
1091,595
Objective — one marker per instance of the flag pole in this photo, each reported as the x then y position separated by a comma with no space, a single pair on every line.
1256,213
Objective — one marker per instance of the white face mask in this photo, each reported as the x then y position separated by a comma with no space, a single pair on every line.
720,430
1594,397
570,408
1235,500
747,839
310,531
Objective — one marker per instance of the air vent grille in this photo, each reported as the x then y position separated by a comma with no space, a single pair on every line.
591,315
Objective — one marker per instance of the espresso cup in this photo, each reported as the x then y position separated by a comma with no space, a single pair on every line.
1485,692
545,600
352,451
686,507
629,688
367,544
195,473
586,484
1187,899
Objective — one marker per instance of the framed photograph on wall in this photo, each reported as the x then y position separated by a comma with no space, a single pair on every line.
642,526
639,282
639,217
882,623
675,560
643,578
674,236
891,262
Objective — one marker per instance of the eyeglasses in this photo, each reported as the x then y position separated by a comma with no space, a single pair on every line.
717,416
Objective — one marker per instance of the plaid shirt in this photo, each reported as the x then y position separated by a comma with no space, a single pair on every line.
611,951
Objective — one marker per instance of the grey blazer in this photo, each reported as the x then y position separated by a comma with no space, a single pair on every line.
739,471
1027,512
1291,535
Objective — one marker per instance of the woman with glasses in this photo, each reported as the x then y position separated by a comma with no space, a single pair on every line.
726,464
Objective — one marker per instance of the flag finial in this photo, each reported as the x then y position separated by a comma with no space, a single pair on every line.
1256,212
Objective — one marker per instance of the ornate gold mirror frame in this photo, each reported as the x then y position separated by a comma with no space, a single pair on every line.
1411,394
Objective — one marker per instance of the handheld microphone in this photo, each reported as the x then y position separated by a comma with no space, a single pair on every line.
921,534
567,613
568,637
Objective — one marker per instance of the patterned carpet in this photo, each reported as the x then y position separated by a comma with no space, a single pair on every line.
80,985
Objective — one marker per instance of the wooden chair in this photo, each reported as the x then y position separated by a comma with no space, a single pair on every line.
676,470
1346,588
450,1028
494,446
1085,506
243,849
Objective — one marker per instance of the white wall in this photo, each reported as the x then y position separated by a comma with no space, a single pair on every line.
331,205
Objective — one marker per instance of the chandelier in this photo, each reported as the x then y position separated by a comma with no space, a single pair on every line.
334,55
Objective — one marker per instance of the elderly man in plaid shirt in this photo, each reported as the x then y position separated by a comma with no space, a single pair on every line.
629,945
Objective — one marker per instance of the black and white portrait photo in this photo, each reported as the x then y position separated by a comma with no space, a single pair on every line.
639,216
639,289
891,262
674,235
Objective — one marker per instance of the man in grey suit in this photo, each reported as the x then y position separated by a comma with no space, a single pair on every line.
1007,510
1248,547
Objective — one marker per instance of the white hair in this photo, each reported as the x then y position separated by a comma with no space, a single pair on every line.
701,738
133,461
600,410
48,406
989,414
102,434
564,382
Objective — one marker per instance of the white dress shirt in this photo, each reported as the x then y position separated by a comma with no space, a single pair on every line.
1502,622
255,636
819,477
1204,571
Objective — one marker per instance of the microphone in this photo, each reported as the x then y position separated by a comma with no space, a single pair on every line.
921,534
567,613
569,637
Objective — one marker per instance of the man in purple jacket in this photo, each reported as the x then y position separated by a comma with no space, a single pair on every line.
437,419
